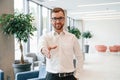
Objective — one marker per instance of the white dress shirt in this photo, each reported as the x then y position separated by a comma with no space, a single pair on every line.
68,48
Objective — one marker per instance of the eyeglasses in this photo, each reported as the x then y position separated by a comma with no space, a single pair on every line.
59,19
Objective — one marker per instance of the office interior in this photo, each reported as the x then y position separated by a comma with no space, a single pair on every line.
103,23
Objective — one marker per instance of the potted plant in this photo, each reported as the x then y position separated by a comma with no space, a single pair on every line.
86,35
19,25
74,31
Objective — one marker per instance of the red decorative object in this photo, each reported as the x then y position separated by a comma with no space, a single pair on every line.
113,49
101,48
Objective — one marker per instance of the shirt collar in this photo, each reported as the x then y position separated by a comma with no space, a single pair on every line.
62,33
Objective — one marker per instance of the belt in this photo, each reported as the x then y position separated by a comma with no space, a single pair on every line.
62,74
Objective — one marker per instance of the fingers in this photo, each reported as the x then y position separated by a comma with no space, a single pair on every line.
46,51
48,56
52,47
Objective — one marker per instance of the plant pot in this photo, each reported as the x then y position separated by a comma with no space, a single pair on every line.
86,48
21,67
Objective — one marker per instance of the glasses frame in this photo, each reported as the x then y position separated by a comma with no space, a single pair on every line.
59,19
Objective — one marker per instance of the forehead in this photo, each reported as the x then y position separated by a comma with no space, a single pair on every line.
58,14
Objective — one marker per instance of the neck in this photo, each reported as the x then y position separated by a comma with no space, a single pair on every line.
59,31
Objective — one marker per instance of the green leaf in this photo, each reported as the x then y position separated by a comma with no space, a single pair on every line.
74,31
87,34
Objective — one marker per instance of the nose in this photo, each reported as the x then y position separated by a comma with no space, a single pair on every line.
57,20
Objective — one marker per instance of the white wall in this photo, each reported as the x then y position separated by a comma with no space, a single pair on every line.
105,32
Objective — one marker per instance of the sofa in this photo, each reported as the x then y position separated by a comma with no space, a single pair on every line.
32,75
35,59
1,75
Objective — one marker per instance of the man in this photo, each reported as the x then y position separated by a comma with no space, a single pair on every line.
60,47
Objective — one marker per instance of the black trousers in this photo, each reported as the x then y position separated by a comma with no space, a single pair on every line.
55,77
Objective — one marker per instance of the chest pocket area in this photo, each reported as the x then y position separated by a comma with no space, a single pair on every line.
66,46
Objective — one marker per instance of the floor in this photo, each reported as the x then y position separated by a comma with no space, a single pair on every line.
101,66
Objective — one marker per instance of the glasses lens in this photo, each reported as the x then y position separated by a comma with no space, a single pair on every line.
60,19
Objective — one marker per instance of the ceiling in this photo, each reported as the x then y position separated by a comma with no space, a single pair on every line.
87,9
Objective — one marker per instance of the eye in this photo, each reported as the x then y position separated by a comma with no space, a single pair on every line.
59,18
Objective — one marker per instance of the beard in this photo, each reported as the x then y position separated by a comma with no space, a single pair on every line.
58,26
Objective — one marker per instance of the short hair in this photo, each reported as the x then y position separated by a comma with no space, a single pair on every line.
58,9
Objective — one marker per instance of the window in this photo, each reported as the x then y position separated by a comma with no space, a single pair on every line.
46,18
18,9
34,9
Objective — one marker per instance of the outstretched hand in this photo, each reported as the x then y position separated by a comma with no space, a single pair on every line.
52,47
46,51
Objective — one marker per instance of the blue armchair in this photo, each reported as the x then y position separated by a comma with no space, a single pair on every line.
1,75
32,75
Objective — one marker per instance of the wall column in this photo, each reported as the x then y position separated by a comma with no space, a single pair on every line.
6,43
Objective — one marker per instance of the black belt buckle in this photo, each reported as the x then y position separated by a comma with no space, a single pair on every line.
64,74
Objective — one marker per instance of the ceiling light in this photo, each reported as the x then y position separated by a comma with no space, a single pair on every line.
101,4
93,12
105,13
101,17
51,0
45,0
